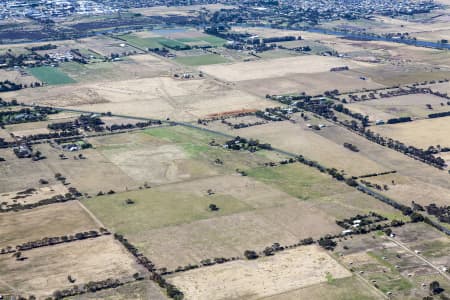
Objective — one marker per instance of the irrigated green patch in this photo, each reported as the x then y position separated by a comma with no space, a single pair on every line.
153,42
172,44
51,75
200,60
137,211
212,40
299,181
99,71
194,142
142,43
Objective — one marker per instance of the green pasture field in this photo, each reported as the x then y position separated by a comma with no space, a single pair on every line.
212,40
155,209
200,60
153,42
51,75
299,181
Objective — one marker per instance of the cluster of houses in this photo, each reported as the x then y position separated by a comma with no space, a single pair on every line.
48,9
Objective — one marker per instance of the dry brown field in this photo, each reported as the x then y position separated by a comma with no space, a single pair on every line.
20,174
255,216
413,106
311,84
338,289
420,133
46,221
46,269
24,129
406,189
300,140
280,67
17,77
140,290
424,179
440,87
84,174
268,276
158,97
188,235
40,193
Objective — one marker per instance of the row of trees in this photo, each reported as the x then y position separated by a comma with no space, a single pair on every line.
367,219
90,287
420,154
239,143
25,115
128,126
376,174
171,290
441,212
86,122
50,241
73,194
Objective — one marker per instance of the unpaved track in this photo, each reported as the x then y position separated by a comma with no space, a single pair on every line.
400,244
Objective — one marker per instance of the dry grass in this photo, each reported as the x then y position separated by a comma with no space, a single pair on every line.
311,84
230,236
406,189
421,133
283,272
91,175
351,288
40,193
280,67
157,97
46,269
45,221
403,106
304,141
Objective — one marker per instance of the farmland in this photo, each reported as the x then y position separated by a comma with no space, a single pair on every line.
51,75
200,60
152,42
414,106
192,152
418,133
270,279
91,264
